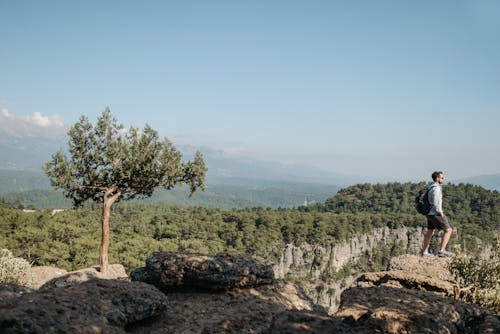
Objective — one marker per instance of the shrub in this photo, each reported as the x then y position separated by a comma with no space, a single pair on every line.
12,269
479,279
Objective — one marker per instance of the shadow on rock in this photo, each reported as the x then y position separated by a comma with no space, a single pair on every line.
95,306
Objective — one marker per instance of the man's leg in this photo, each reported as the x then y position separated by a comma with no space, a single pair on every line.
427,240
446,238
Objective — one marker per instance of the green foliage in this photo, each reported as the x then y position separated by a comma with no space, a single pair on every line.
106,158
472,210
12,269
70,239
480,278
108,164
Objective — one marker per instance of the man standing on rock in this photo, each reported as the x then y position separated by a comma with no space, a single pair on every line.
436,218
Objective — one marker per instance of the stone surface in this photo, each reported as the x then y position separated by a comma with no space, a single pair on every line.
239,310
408,280
395,301
96,306
436,267
387,309
39,275
116,271
169,271
9,291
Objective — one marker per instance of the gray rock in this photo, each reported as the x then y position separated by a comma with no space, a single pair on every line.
116,271
388,309
9,291
168,271
96,306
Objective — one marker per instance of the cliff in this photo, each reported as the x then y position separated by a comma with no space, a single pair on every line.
318,269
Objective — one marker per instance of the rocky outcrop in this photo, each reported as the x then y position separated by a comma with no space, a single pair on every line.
436,267
96,306
317,259
387,309
239,310
313,265
115,271
407,280
39,275
395,301
48,276
169,271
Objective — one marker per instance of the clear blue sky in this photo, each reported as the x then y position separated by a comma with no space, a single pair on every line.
347,86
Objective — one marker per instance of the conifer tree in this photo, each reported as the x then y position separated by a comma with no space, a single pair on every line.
108,163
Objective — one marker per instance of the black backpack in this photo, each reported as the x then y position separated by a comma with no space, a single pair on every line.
422,202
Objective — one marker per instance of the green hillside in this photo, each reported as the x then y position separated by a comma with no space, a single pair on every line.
71,239
471,209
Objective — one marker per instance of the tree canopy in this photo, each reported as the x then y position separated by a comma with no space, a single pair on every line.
108,163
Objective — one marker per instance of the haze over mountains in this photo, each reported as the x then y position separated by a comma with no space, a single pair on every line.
30,151
232,180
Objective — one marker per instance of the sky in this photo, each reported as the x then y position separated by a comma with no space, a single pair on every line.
374,88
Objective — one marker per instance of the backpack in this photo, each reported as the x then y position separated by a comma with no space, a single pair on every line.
422,202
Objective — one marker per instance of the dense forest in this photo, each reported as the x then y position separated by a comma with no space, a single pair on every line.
472,210
70,239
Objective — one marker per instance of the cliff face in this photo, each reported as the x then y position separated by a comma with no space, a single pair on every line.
316,267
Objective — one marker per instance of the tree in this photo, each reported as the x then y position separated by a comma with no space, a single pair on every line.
108,163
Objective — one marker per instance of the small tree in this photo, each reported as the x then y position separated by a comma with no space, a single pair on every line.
108,163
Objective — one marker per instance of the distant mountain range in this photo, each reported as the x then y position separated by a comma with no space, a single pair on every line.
232,181
491,182
31,152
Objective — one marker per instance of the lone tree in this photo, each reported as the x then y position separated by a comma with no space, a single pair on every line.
108,163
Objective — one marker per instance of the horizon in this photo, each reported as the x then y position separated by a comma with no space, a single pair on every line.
385,90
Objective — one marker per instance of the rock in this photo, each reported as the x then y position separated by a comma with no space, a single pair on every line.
8,291
436,267
306,322
408,280
169,271
239,310
387,309
116,271
395,301
96,306
40,275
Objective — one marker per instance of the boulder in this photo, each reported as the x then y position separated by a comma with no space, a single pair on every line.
170,271
67,279
39,275
306,322
95,306
436,267
9,291
387,309
239,310
408,280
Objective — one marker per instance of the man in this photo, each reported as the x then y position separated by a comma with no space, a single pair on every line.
436,218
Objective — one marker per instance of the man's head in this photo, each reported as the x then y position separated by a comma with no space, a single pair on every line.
438,177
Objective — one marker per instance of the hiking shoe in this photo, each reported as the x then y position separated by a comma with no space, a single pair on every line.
426,254
445,253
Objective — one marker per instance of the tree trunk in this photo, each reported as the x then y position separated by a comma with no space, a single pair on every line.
106,212
103,254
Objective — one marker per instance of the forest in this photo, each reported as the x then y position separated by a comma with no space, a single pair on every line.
70,239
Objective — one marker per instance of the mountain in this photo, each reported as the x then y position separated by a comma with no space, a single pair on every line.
32,189
30,151
27,153
491,182
232,181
